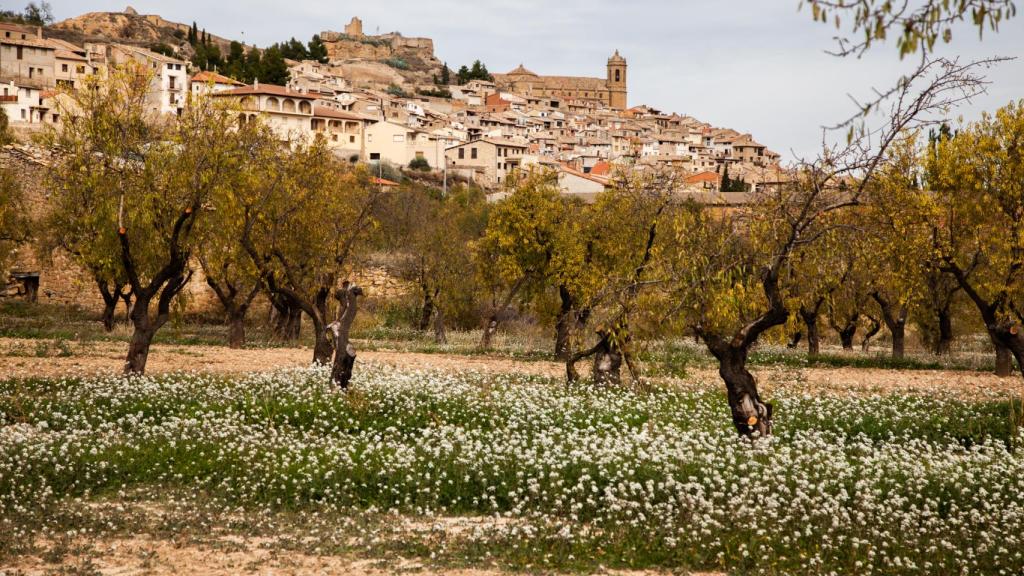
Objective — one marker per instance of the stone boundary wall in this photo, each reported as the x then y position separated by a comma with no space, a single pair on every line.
63,282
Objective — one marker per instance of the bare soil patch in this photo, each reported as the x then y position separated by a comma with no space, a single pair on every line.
93,358
235,555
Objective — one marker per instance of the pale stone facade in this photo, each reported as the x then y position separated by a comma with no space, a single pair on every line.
610,91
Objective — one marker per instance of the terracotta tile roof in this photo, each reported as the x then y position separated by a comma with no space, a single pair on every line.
592,177
520,71
602,168
150,54
271,89
384,181
320,111
700,177
209,76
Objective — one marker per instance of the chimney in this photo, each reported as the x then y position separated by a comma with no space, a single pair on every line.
256,83
39,32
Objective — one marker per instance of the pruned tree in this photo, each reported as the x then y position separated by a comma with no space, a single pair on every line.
976,216
302,223
139,183
728,276
514,256
607,261
226,265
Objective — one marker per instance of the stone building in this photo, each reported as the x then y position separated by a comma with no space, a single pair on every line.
609,91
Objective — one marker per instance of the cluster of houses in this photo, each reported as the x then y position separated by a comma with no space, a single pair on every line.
481,131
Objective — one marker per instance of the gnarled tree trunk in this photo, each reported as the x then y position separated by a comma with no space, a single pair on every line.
809,315
608,358
563,326
344,352
846,331
440,334
750,413
873,329
1004,361
895,317
111,296
490,329
145,323
945,340
323,347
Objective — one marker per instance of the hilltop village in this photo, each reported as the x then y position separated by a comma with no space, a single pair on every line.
367,105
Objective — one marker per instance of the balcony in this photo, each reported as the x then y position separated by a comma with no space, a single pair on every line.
9,98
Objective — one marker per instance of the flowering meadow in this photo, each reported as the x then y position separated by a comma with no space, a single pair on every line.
557,478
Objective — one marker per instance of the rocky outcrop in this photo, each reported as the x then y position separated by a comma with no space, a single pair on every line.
128,27
412,59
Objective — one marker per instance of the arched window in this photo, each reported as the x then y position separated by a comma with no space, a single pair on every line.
618,76
273,104
288,105
305,107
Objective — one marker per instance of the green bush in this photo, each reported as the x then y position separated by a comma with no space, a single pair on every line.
397,63
419,163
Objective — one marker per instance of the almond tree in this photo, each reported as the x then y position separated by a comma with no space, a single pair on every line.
432,236
303,219
896,246
728,278
139,183
605,262
514,256
819,270
977,220
226,266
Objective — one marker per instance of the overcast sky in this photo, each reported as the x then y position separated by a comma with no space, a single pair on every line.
756,66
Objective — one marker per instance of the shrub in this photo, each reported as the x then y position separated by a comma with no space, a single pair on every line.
419,163
396,91
397,63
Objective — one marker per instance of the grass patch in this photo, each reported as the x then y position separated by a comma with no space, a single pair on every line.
577,478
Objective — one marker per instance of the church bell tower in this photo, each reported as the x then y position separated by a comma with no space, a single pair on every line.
617,81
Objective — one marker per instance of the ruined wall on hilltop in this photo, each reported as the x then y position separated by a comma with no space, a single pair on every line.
418,53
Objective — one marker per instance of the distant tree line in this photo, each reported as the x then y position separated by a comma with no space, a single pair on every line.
247,65
35,13
478,71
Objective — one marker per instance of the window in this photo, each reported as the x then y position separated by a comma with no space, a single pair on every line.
81,70
352,139
20,53
398,138
617,75
462,153
369,138
472,153
171,100
170,80
374,155
63,67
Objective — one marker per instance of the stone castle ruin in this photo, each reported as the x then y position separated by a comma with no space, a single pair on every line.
413,54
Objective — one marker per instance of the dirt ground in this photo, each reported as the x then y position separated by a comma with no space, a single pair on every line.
91,358
144,556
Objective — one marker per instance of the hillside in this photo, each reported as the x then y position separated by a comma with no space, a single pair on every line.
128,27
369,61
